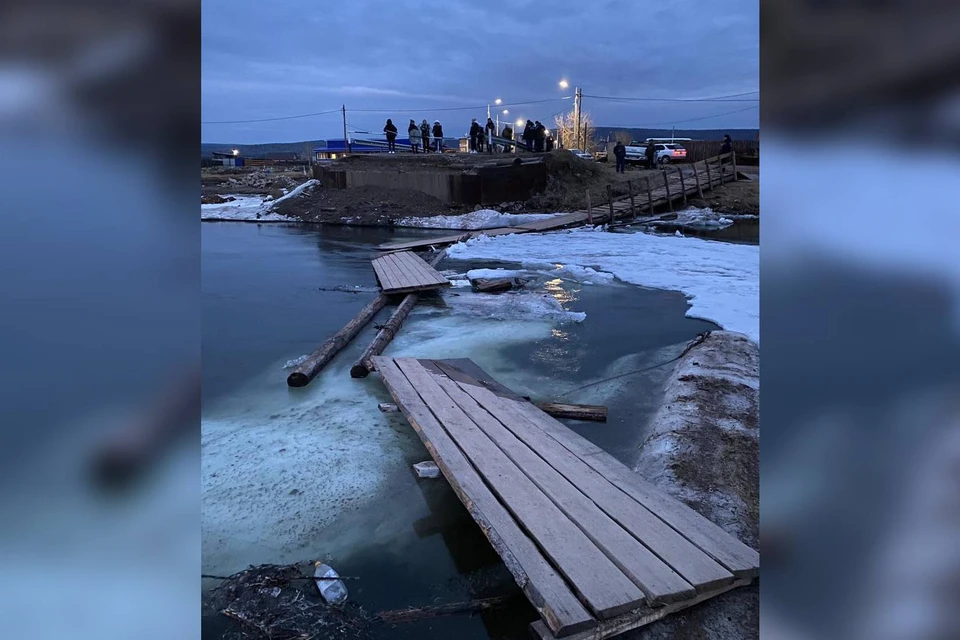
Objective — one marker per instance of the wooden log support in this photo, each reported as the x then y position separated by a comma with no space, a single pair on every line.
666,185
362,367
706,163
696,174
633,205
610,201
683,186
733,161
591,412
589,209
649,195
302,375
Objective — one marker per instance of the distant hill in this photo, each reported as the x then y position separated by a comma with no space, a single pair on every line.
306,147
695,134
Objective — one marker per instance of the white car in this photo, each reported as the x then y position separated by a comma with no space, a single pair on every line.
581,154
670,152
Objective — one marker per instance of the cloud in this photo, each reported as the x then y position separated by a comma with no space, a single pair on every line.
269,60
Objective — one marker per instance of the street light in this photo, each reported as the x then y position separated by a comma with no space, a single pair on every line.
497,101
564,84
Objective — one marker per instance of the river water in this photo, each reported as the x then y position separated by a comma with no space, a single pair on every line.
320,473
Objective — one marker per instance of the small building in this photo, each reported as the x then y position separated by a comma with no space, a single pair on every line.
230,158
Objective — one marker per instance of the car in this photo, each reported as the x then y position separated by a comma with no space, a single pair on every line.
670,152
581,154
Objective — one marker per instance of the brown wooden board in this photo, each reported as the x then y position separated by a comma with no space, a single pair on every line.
635,619
670,546
601,584
546,589
659,582
405,272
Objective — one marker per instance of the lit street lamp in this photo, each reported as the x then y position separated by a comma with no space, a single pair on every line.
564,84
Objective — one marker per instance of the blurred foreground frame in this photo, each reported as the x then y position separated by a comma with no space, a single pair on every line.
129,70
837,63
860,511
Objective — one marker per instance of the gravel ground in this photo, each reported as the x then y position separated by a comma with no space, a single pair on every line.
368,205
742,196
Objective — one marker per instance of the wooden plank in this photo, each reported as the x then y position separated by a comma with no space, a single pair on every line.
698,568
659,582
696,174
635,619
546,589
603,587
423,243
384,274
709,177
649,195
666,186
591,412
726,549
418,266
406,276
403,273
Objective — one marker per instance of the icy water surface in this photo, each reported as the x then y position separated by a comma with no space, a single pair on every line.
320,473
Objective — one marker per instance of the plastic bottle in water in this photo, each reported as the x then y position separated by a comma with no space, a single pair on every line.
333,591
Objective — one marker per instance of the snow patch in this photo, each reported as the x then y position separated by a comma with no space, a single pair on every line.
482,219
252,208
721,280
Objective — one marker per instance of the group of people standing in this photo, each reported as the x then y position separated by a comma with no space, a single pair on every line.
419,136
536,138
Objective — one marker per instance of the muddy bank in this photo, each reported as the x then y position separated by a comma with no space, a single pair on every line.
367,205
703,448
740,197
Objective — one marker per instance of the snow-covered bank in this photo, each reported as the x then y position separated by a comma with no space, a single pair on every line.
721,280
248,208
482,219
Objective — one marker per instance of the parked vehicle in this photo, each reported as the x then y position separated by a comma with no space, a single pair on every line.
581,154
666,152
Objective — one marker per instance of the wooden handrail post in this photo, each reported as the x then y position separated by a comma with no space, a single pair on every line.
589,209
683,186
733,160
666,185
696,174
633,206
706,163
649,194
610,200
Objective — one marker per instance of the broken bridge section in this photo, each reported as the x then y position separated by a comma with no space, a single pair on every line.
596,549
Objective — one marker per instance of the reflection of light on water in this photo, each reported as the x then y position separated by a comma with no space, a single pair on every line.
560,335
555,288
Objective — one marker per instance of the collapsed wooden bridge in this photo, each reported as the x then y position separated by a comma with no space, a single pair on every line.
679,183
596,549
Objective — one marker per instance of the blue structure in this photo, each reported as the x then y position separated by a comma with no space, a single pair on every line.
333,148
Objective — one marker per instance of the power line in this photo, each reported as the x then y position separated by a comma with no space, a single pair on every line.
473,108
304,115
663,124
733,97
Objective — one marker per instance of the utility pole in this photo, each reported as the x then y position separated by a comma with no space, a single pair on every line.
577,97
344,111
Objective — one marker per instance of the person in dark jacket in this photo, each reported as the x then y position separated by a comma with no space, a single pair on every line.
540,136
475,131
651,155
549,143
727,145
620,153
489,131
438,135
391,130
425,134
507,134
529,134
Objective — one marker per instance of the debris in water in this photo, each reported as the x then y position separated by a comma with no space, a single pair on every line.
428,469
332,590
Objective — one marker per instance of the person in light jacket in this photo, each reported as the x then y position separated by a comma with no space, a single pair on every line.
415,138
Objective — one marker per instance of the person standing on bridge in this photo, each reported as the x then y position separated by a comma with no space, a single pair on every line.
620,153
438,135
507,133
540,136
414,132
490,130
391,130
529,134
474,134
425,134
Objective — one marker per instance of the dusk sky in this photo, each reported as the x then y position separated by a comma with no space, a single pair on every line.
432,58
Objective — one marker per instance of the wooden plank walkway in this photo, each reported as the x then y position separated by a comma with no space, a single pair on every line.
592,545
700,176
405,272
